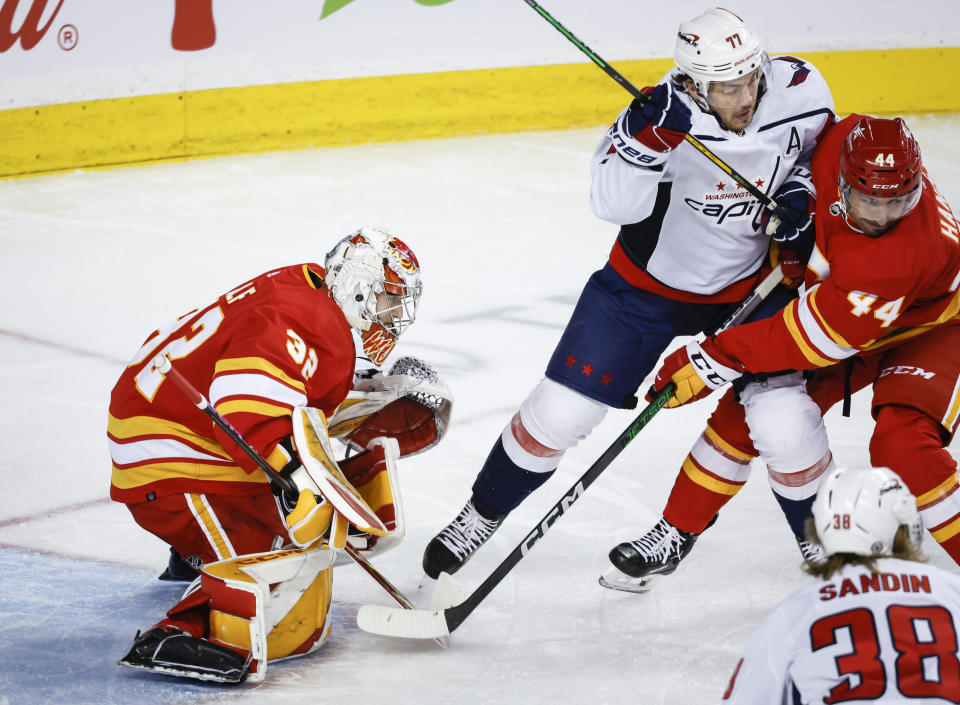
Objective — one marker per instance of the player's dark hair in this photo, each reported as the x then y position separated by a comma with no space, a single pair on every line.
903,548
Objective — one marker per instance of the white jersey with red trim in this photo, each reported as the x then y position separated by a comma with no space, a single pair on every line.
698,229
858,637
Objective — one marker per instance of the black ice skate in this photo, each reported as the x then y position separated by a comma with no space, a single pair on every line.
452,547
179,569
173,652
812,552
659,552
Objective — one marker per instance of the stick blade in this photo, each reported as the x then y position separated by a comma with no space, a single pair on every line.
408,624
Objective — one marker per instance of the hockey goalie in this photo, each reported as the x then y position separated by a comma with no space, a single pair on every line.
277,358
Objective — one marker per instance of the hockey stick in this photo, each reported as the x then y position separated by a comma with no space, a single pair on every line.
163,365
768,202
431,624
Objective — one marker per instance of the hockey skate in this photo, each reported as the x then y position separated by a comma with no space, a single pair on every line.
178,568
812,552
452,547
173,652
637,563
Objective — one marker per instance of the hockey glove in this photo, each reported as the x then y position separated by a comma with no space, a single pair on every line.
648,131
793,214
695,372
792,265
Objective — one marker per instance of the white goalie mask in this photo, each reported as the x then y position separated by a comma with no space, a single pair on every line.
375,280
716,47
860,511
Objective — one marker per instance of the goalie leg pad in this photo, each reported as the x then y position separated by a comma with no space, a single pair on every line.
270,605
374,473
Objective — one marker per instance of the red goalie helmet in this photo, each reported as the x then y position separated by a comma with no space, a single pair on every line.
880,174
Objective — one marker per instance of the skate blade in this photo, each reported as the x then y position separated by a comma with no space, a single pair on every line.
615,580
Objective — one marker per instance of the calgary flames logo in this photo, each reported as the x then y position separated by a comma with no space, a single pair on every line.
403,254
377,344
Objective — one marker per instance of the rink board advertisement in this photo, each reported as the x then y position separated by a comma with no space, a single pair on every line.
114,82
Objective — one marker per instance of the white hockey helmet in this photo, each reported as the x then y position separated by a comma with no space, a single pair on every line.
716,46
860,511
375,280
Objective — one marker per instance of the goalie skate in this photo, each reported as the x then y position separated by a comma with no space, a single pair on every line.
175,653
637,563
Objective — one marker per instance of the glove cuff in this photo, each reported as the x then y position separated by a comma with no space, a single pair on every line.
632,149
710,369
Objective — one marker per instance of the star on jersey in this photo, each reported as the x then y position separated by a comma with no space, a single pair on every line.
587,370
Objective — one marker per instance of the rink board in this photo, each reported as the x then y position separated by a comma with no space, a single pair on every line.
397,108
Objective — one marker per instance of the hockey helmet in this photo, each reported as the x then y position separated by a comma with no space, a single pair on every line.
880,173
375,280
717,46
860,511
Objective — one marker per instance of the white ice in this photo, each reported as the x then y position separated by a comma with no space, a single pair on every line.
91,262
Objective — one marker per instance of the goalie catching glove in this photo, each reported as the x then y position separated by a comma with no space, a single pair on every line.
695,370
409,404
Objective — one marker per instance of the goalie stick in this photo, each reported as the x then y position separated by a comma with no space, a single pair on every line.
766,200
439,622
163,365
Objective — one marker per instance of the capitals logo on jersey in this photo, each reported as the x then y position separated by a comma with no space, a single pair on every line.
800,70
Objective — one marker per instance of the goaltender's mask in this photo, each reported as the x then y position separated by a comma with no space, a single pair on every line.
375,280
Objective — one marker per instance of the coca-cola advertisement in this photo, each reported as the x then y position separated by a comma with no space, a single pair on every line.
55,51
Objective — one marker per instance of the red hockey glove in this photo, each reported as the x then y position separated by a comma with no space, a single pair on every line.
696,370
793,267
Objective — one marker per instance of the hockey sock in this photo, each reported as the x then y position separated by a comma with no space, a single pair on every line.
713,472
691,506
796,511
911,444
502,485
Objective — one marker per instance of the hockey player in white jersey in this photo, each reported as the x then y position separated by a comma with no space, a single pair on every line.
691,243
877,625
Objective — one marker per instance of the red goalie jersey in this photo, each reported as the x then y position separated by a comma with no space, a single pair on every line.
272,343
863,293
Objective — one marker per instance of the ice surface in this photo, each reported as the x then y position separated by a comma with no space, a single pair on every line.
91,262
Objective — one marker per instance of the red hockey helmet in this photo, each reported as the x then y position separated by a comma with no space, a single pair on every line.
879,161
881,158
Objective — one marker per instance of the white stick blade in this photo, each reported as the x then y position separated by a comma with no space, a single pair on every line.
396,621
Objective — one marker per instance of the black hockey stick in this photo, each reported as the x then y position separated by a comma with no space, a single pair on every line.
163,365
768,202
435,623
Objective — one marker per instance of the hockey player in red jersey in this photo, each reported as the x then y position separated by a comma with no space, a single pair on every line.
880,309
690,245
281,341
877,625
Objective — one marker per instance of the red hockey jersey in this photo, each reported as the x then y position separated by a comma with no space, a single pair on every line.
862,293
268,345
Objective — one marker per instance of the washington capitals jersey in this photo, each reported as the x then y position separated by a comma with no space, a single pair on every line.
862,293
696,230
858,637
272,343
